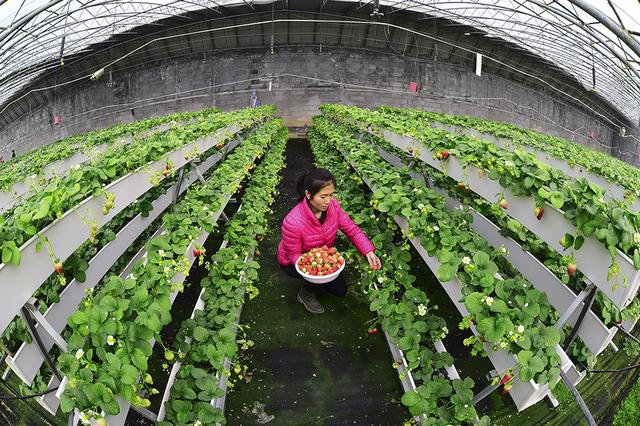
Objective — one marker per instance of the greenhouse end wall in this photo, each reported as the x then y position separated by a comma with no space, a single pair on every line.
300,80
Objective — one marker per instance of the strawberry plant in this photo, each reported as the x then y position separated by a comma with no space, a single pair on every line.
204,341
583,203
31,163
508,313
61,194
405,313
597,162
115,325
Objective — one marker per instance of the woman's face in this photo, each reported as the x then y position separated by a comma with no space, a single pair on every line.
320,201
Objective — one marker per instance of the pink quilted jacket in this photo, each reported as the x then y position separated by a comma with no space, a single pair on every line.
302,231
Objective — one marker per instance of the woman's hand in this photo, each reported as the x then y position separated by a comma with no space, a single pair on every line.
374,262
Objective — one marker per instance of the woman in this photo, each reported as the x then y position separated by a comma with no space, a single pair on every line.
314,222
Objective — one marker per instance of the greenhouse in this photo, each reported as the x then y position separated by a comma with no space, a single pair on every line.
319,212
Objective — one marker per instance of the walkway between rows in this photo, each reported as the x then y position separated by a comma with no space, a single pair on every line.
310,369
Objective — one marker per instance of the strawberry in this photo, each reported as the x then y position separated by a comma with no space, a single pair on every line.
507,377
444,155
538,211
461,185
196,252
571,268
506,388
504,204
372,330
167,167
58,268
165,173
203,251
257,253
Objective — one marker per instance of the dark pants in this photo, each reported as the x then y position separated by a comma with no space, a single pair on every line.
337,287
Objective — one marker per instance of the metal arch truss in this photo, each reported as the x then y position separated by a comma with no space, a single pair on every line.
558,31
601,49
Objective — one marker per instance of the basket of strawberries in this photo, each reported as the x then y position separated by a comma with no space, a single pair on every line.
320,265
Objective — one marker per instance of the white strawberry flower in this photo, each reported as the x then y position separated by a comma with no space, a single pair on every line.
380,280
503,344
79,353
508,163
84,418
445,330
521,329
503,249
601,199
466,260
111,340
489,300
422,310
436,228
526,304
197,423
421,206
161,253
636,237
167,270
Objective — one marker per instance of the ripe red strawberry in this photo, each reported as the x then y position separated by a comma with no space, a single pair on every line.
444,155
196,252
504,204
538,211
167,167
506,388
165,173
58,267
461,185
571,268
372,330
505,379
320,261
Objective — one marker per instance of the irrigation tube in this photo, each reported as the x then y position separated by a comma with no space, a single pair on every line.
32,328
583,312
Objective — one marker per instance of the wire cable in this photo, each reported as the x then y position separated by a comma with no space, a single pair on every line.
20,397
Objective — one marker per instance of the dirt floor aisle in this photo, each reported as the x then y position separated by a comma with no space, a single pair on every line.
310,369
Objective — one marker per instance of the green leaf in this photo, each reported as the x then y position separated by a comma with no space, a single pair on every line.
410,398
499,306
7,253
200,334
68,364
129,374
138,359
473,303
557,200
44,207
66,404
578,242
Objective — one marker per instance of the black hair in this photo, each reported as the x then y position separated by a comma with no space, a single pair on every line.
314,181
